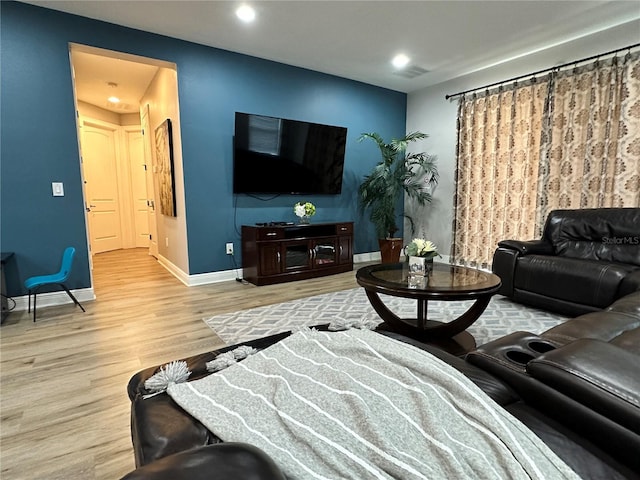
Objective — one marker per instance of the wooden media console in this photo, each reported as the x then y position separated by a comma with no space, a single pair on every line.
283,253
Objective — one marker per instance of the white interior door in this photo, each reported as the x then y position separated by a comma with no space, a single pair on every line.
135,147
101,187
151,196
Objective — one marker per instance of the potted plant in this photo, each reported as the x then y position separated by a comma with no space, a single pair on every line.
421,253
304,210
398,173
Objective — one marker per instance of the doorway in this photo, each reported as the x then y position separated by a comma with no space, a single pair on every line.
116,147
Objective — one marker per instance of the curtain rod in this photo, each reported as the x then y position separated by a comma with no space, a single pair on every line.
533,74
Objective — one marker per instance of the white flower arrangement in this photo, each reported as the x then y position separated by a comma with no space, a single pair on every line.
304,209
420,247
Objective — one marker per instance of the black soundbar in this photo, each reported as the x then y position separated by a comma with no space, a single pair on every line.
273,224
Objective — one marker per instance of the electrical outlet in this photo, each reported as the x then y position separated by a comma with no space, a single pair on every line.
229,248
166,241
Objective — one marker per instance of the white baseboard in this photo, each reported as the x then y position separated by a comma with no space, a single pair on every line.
213,277
226,275
445,259
198,278
174,270
367,257
376,257
49,299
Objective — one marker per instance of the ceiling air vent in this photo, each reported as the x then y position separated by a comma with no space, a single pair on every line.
411,71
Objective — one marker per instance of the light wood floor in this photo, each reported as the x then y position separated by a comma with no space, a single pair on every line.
64,407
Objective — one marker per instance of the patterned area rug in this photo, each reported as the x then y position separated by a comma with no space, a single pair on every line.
501,317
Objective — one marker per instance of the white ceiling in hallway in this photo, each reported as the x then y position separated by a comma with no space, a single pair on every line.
98,77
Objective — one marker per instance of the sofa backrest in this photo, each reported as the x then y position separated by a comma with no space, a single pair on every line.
607,234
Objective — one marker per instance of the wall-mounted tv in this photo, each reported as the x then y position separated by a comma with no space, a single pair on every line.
280,156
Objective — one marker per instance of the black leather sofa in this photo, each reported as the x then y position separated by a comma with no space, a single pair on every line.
576,386
584,261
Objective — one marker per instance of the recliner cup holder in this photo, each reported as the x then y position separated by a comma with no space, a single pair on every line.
541,347
512,352
518,357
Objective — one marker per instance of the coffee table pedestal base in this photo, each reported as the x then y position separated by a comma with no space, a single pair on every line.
458,345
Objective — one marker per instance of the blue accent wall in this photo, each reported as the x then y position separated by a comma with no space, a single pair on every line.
39,142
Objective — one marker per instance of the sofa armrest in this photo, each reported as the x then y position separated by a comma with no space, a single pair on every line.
629,284
599,375
529,247
212,462
505,259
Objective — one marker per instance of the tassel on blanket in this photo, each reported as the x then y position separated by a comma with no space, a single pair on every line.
342,324
303,328
243,352
227,359
174,372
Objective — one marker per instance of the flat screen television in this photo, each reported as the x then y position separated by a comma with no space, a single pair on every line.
280,156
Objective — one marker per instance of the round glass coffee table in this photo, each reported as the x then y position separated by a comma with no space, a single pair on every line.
445,282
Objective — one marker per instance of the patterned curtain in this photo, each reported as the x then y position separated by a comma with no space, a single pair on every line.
591,143
571,140
497,169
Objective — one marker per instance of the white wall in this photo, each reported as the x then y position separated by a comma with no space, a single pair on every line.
429,112
162,97
98,113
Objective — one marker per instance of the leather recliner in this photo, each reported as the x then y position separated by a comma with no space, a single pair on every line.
584,261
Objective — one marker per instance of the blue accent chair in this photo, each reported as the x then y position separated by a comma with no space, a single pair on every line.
34,283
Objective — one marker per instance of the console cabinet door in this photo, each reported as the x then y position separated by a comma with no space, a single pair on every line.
269,259
325,252
297,255
345,254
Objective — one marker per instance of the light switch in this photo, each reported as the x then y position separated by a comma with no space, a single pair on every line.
58,189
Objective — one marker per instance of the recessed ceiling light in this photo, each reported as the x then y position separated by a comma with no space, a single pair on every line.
400,60
113,99
246,13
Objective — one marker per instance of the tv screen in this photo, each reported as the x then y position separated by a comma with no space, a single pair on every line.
275,155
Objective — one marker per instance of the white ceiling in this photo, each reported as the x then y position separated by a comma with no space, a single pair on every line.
98,77
356,39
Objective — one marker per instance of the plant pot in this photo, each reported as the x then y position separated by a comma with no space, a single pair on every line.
390,249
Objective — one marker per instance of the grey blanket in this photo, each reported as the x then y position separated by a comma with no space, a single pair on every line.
359,405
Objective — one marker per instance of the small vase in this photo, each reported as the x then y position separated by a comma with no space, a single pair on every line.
304,220
417,281
420,265
428,266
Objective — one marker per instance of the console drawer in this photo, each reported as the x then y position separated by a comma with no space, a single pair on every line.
269,234
344,229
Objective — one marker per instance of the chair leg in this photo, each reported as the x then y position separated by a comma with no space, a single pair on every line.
73,298
34,306
29,311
